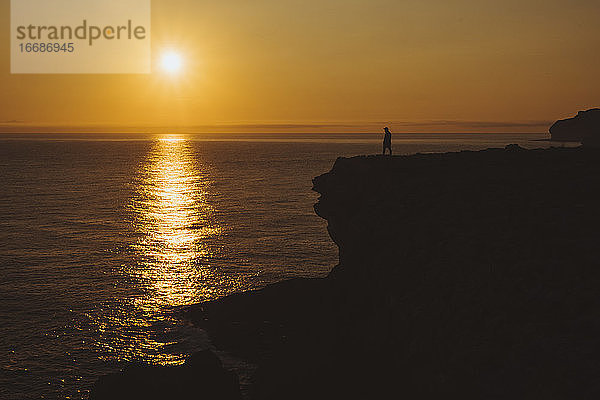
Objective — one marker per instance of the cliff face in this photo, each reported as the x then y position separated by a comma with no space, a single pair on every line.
585,127
476,271
487,207
467,275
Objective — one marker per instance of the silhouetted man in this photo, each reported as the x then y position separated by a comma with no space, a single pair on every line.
387,141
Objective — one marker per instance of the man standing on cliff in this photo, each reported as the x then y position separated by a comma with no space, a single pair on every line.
387,140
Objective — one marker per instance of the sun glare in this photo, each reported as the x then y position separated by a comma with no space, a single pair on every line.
171,62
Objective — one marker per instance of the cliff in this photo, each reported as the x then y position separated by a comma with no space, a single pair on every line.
473,273
462,275
584,128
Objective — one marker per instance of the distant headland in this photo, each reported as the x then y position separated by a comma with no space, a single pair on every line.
583,128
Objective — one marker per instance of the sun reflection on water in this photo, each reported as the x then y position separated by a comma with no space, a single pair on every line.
171,259
174,218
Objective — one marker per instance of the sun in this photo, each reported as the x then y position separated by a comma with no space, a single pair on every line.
171,62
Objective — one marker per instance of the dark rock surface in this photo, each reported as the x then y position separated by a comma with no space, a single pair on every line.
464,275
201,377
583,128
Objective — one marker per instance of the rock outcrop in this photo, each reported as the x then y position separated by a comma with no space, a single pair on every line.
584,128
466,275
201,377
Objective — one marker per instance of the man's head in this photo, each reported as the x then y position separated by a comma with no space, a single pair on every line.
386,129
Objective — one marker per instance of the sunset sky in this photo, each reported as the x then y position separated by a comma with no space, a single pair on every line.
335,65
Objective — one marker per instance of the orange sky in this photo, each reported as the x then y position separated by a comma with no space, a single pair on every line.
336,65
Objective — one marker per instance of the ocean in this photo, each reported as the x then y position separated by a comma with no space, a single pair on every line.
103,237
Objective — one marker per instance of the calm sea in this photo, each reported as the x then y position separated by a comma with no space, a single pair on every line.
102,236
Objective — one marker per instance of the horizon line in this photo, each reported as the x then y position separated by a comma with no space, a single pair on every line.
406,127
